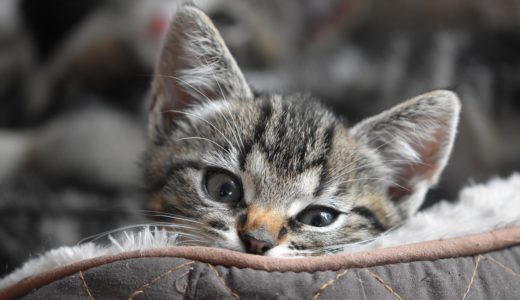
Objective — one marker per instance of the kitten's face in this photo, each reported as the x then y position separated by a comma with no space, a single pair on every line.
280,175
282,168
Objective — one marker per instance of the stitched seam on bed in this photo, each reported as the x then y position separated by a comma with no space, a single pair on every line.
498,263
84,282
328,284
223,282
473,275
381,281
140,290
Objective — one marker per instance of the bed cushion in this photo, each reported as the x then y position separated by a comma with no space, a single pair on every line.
485,265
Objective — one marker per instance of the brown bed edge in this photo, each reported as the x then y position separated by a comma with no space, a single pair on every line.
431,250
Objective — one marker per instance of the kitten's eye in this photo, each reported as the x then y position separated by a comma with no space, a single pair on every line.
223,187
317,216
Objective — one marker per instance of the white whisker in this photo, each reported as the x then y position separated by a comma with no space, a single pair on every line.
204,120
168,215
235,134
203,139
187,84
196,232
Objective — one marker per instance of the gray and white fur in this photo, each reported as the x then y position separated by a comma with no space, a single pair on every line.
291,177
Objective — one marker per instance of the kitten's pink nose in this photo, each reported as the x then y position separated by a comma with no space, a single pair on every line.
257,242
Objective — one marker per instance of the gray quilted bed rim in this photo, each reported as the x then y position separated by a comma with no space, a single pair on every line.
430,250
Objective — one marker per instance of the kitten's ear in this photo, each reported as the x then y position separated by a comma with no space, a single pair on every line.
415,139
194,66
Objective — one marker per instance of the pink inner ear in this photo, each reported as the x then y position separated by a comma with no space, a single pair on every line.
424,169
157,26
175,95
174,60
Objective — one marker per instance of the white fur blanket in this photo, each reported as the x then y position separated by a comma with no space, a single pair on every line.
480,208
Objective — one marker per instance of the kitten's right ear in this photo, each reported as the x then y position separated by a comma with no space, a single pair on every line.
414,140
195,66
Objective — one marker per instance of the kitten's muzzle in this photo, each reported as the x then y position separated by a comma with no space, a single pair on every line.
259,229
257,242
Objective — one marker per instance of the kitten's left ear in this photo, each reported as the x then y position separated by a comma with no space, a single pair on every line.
415,140
194,66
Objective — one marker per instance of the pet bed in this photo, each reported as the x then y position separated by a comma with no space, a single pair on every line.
482,263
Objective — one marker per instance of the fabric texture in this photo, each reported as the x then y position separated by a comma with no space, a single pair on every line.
492,275
481,266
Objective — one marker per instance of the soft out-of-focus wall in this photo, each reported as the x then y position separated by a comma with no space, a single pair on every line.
365,56
74,75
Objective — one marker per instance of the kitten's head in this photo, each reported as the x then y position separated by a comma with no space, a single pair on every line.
280,175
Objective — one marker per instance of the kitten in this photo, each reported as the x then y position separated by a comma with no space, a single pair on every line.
280,175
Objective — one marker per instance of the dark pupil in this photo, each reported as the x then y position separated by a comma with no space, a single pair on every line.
321,219
227,189
224,188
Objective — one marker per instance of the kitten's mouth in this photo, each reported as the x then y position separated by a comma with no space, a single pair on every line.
228,240
229,246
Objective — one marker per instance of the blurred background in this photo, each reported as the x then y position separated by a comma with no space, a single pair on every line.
74,75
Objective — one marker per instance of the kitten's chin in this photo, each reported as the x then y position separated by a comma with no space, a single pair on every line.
229,246
230,241
279,251
283,252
